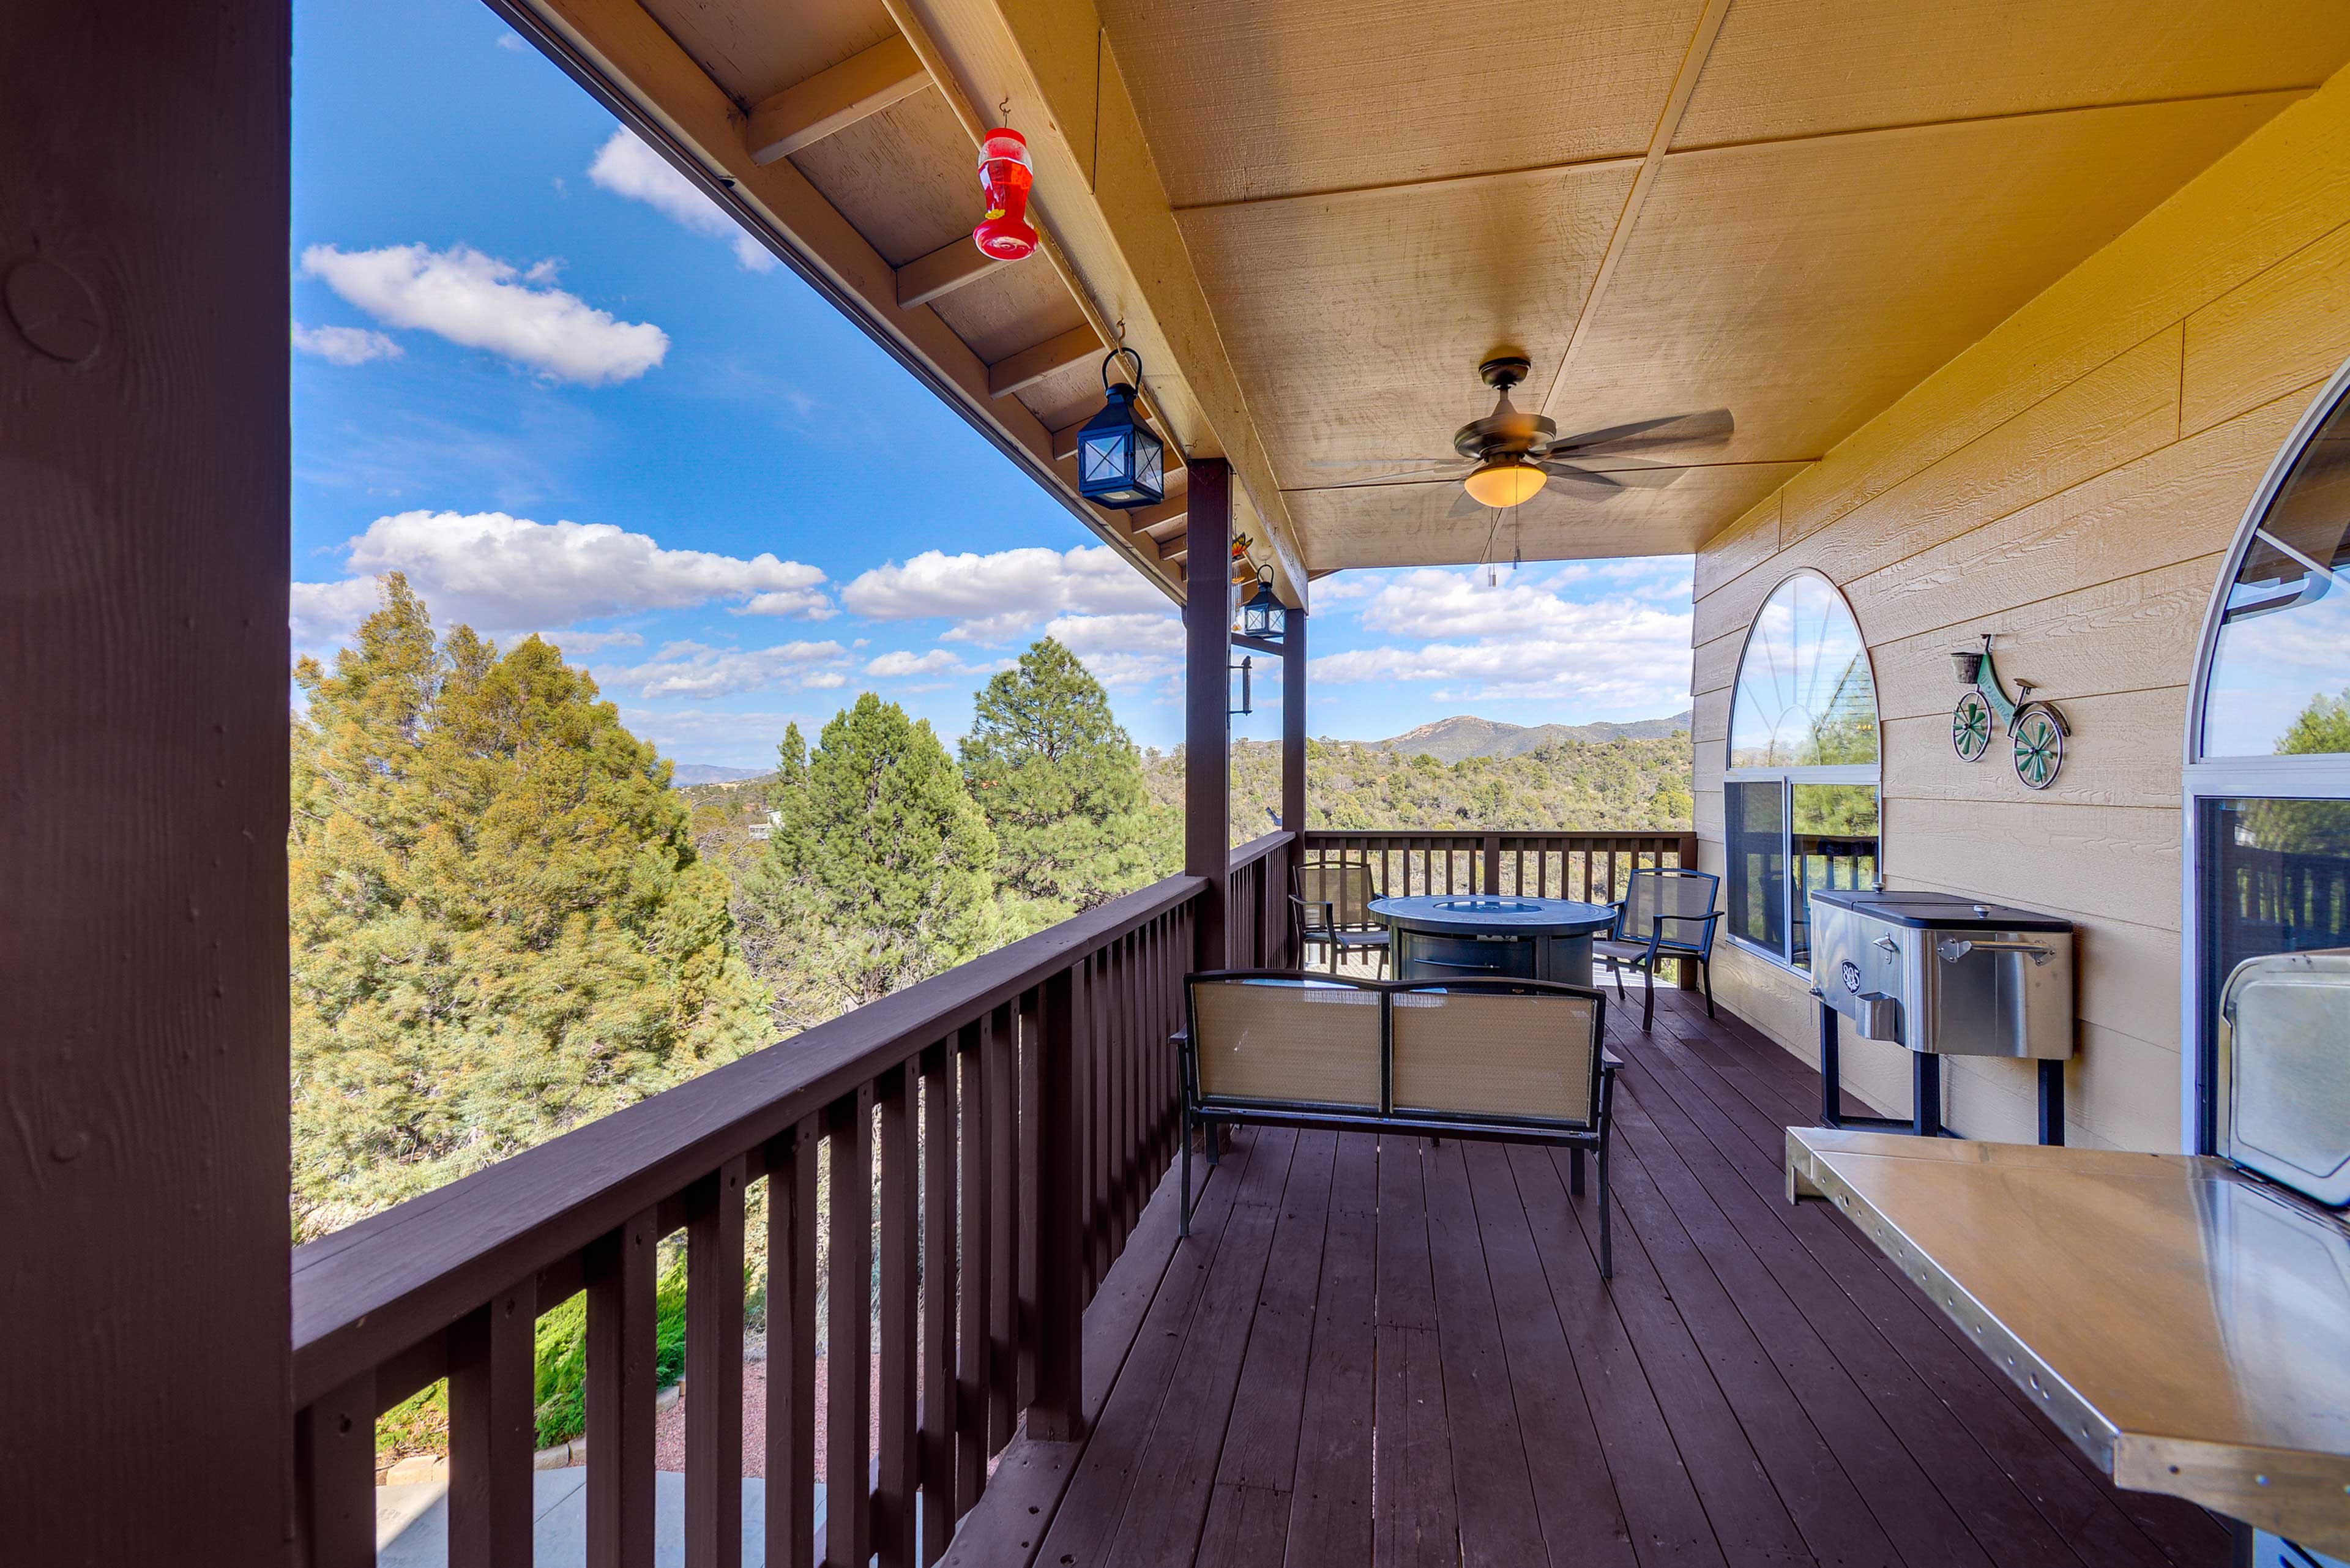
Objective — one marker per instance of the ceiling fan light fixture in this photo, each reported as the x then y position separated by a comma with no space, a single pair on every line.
1505,484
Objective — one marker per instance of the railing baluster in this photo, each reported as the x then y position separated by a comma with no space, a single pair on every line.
491,1431
619,1378
893,1496
1133,993
714,1369
940,1396
1055,1414
974,1291
1092,1106
334,1465
848,1332
1004,1292
791,1348
1030,1207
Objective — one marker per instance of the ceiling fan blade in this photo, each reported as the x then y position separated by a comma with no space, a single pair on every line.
1645,476
1711,428
1601,484
1467,506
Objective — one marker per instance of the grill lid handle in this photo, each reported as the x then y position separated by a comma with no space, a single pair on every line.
1953,949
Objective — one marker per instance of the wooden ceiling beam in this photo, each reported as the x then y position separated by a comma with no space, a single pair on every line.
941,273
832,100
1038,360
1100,193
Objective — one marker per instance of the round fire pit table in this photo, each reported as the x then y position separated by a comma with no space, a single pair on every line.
1460,935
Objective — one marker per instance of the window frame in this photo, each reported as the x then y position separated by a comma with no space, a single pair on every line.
1788,777
2204,777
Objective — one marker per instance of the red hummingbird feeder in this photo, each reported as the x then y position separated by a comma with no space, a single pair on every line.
1006,178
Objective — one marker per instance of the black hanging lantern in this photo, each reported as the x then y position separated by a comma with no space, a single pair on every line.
1121,461
1262,618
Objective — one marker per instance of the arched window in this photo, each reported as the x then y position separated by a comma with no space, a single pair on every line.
2267,743
1800,792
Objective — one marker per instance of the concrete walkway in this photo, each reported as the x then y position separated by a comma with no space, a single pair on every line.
411,1522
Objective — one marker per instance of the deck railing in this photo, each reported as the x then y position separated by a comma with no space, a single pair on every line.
1591,866
1004,1123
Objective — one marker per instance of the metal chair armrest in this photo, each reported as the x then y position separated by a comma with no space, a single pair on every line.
1705,938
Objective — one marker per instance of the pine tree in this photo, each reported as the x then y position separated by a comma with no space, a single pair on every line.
499,925
880,872
1062,787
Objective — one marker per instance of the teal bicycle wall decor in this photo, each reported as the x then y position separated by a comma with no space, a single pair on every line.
2036,730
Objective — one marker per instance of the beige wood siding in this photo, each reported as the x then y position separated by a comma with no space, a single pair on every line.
2068,482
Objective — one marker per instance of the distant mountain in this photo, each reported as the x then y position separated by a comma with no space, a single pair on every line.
684,774
1452,739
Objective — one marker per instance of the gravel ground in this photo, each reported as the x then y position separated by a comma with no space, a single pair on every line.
668,1434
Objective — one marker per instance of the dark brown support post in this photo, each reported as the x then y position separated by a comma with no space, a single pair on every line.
142,895
1207,703
1056,1413
620,1349
714,1372
491,1431
1492,854
791,1348
1292,722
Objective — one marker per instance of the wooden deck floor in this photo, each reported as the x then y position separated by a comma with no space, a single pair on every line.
1380,1351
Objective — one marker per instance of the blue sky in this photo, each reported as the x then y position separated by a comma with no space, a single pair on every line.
545,378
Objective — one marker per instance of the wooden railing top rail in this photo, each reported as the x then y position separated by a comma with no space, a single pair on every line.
1318,836
366,1293
1256,849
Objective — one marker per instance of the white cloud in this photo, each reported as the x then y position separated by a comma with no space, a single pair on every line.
345,345
997,597
625,166
1523,641
800,601
697,669
1123,652
574,643
938,661
499,573
481,302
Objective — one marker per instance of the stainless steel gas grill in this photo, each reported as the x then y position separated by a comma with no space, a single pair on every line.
1944,975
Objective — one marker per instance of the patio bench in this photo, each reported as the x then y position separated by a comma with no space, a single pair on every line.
1510,1060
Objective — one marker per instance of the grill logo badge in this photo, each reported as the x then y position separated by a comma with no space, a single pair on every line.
1851,973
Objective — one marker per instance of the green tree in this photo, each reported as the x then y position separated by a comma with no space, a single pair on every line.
2321,727
1061,785
499,925
880,871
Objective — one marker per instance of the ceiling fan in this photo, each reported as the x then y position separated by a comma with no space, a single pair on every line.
1510,456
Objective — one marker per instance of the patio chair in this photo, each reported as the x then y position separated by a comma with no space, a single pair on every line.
1503,1059
1330,904
1665,913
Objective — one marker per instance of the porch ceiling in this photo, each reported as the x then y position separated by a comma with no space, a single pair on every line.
1315,217
1791,210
